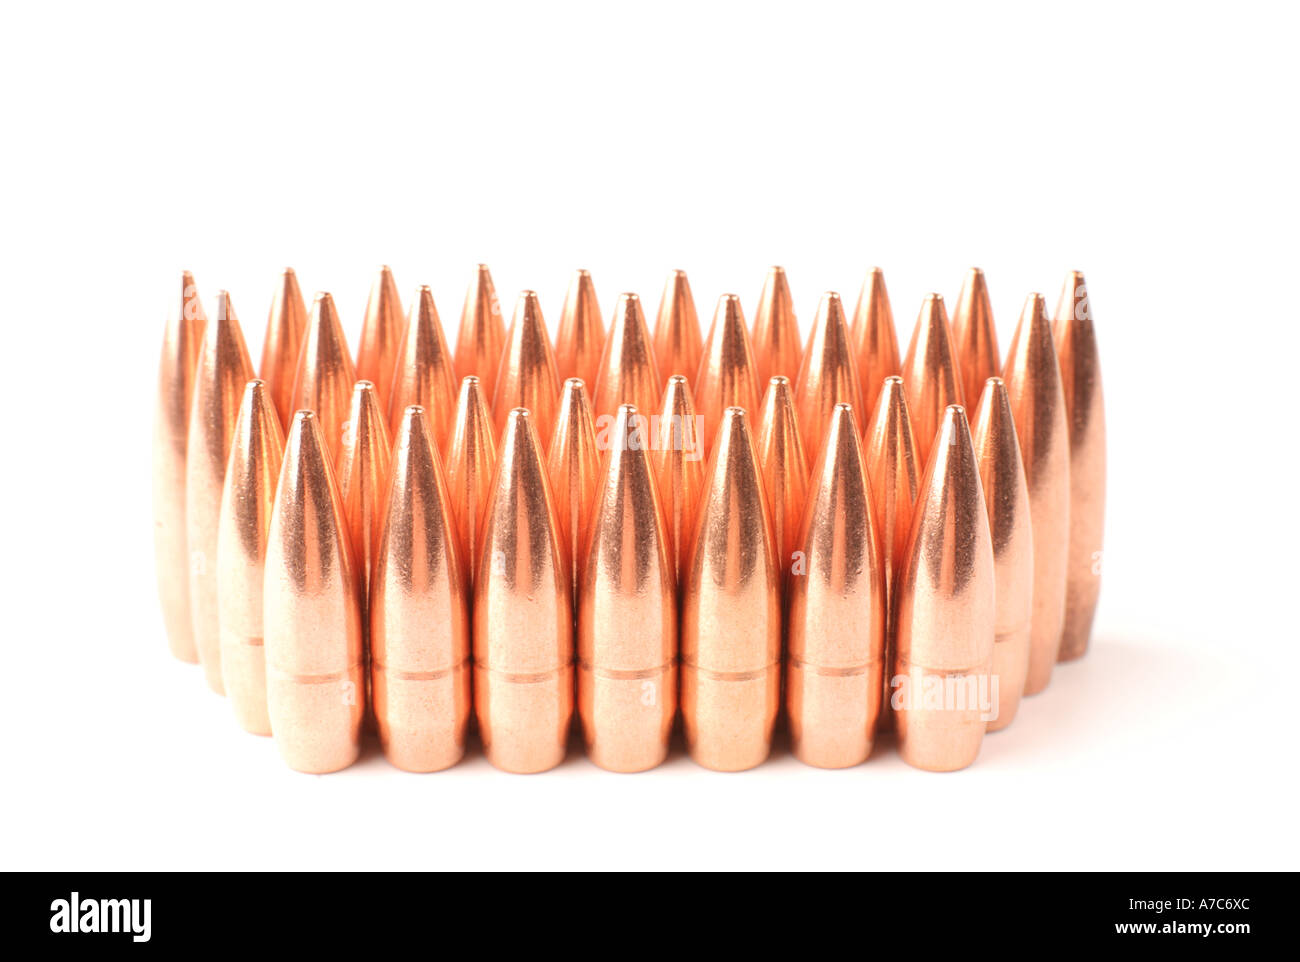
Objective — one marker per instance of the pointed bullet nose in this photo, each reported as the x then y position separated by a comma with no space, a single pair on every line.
875,343
381,335
726,369
930,373
482,333
286,325
777,349
677,342
188,306
679,469
580,341
471,460
363,485
423,374
627,372
312,618
975,339
527,377
573,466
784,463
829,373
325,374
225,309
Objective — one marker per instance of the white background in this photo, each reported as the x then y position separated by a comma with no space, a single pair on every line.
1153,147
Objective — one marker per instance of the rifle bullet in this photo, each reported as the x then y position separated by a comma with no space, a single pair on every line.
784,464
777,349
381,336
471,459
679,471
482,334
678,347
423,375
527,377
875,343
286,323
627,367
325,375
828,375
573,466
580,341
930,374
974,338
726,377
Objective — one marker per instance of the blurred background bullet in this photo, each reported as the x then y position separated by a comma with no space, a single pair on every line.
482,334
527,377
423,375
875,343
580,341
930,374
573,466
381,336
286,325
627,373
726,377
325,375
828,375
678,345
777,349
471,461
679,470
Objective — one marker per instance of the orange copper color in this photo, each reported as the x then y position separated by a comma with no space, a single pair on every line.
1033,382
679,470
974,338
835,668
482,334
573,466
381,336
828,375
580,341
946,610
219,380
893,470
776,331
627,613
627,368
527,377
246,506
182,341
726,377
1006,496
419,622
312,614
325,374
678,346
875,343
471,459
423,375
523,619
731,620
286,323
930,374
785,470
1076,348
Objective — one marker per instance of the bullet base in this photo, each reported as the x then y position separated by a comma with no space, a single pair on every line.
422,719
524,724
1010,667
729,717
243,671
832,713
316,725
626,721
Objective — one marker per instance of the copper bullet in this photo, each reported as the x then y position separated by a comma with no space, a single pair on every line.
893,469
573,467
223,371
471,460
679,471
946,611
1006,496
726,377
423,376
381,336
974,338
325,374
678,347
777,349
1033,382
1076,349
627,368
482,334
731,618
311,612
835,669
784,464
182,342
828,375
875,343
527,377
523,619
627,613
286,324
420,614
580,341
930,374
246,506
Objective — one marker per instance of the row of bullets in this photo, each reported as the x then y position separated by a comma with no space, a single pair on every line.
851,549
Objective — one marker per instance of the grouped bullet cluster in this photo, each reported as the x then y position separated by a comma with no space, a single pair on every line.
642,525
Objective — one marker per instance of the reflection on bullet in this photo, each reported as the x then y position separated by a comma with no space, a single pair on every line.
627,368
893,470
679,471
527,377
784,464
325,374
523,619
223,371
828,375
946,609
182,342
930,374
835,669
678,347
311,615
420,616
482,334
286,324
627,613
875,344
974,338
381,336
1033,382
777,349
726,377
246,505
580,341
573,466
1006,496
471,459
423,376
1076,348
731,620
